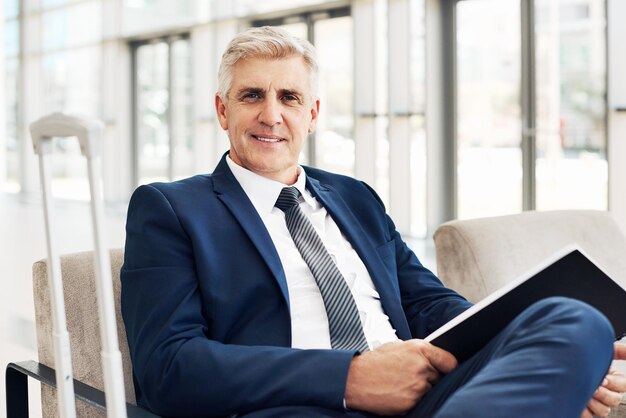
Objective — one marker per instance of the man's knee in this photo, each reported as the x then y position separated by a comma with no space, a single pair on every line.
547,362
572,313
579,326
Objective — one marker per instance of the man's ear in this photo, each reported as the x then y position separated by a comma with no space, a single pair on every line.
315,111
220,109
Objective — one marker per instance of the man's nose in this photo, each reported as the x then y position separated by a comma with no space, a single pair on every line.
270,113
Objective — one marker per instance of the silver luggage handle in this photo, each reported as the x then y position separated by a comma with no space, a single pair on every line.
89,134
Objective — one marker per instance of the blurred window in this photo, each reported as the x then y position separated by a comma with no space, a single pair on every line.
71,84
47,4
418,176
572,12
489,112
152,92
11,8
297,28
11,38
12,180
71,81
181,105
334,138
141,16
252,7
568,132
163,112
572,168
72,26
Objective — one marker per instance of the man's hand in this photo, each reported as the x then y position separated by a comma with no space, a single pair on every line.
393,378
610,393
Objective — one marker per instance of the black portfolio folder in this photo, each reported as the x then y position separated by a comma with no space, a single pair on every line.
573,275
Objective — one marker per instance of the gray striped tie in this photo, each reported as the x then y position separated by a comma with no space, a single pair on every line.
346,331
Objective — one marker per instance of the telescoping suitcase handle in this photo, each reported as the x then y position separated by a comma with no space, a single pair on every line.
89,134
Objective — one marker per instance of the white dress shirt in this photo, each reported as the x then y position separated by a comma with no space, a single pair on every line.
309,322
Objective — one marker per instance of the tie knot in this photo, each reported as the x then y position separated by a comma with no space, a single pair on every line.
287,199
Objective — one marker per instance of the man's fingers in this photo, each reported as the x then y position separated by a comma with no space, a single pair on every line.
615,382
391,379
432,375
597,408
607,397
443,360
620,351
586,414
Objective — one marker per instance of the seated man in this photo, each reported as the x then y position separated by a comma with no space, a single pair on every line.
268,289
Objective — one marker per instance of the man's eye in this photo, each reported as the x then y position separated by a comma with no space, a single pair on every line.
250,97
290,98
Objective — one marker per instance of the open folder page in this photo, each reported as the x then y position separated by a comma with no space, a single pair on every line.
569,273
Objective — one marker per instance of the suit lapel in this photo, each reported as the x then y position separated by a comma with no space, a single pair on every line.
350,227
235,199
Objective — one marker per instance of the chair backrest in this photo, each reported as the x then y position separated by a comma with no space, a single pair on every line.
82,323
477,256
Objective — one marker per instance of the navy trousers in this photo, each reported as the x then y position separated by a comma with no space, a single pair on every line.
547,363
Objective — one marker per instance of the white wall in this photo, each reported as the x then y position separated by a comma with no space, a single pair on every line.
365,100
616,14
116,93
2,102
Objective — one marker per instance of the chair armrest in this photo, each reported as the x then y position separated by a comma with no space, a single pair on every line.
619,411
17,390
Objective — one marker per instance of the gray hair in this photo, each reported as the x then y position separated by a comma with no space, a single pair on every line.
265,42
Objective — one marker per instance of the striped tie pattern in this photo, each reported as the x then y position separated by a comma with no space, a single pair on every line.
346,331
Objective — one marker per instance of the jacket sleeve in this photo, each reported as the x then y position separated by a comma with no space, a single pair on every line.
178,369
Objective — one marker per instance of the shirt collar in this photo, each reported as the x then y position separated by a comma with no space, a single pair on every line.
263,192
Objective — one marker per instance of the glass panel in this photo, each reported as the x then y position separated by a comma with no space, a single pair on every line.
418,56
572,170
11,8
418,177
153,147
11,38
71,81
334,137
76,25
182,117
381,105
419,165
298,29
381,184
489,171
148,15
12,144
69,170
53,3
251,7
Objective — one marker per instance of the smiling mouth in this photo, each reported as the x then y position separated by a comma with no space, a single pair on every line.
268,139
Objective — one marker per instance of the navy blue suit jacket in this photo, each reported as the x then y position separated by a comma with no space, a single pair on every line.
206,306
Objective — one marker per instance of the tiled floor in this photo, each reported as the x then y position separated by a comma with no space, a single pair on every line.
22,242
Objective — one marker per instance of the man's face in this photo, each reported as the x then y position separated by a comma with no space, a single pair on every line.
268,115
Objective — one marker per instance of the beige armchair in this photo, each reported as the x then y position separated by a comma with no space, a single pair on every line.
81,308
478,256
